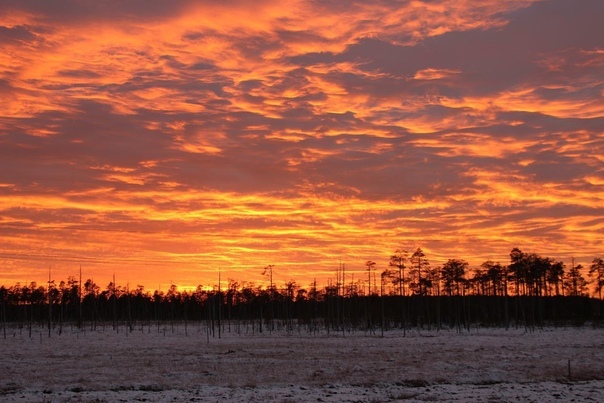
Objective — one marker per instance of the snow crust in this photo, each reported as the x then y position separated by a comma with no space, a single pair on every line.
165,364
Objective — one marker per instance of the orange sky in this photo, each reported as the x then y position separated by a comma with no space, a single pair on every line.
164,141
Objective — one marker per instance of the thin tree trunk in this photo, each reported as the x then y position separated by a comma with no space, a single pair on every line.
383,316
219,306
129,311
49,305
62,308
4,314
80,321
114,306
31,317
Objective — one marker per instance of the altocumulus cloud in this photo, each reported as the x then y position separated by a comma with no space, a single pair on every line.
164,139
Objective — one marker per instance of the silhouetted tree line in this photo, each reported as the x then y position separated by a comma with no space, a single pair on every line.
530,291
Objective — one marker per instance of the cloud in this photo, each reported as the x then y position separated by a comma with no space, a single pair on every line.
195,133
16,34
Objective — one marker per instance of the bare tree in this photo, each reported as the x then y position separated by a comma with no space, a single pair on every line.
370,266
399,260
268,271
419,269
453,275
517,269
596,270
555,276
574,282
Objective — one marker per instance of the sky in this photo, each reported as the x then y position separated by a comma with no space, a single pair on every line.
165,142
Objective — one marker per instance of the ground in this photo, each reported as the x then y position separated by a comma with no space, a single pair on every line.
170,364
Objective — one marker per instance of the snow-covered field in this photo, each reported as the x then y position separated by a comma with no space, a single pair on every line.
488,365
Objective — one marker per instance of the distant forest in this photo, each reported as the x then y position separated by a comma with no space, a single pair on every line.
529,291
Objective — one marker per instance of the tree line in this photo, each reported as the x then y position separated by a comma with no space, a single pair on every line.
531,290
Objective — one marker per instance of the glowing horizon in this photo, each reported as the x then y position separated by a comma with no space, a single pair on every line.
164,141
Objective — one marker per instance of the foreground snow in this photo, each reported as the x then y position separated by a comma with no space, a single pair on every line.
165,365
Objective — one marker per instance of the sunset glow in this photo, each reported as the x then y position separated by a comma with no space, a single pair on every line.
165,141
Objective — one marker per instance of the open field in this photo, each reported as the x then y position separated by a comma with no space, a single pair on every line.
146,365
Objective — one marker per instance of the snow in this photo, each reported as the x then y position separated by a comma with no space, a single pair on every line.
151,364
